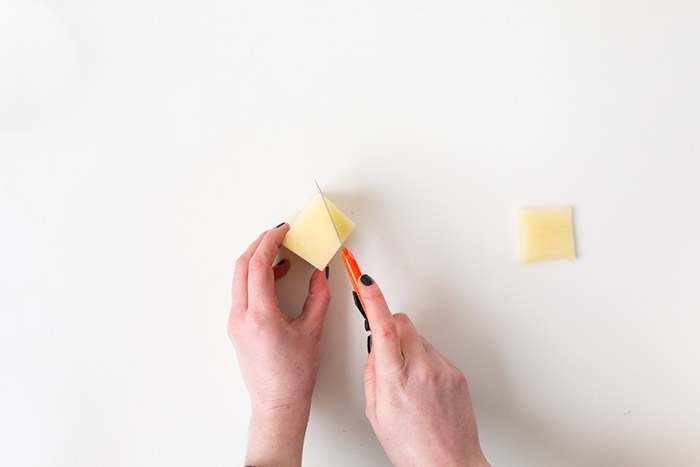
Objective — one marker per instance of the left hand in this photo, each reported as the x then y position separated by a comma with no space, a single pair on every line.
279,356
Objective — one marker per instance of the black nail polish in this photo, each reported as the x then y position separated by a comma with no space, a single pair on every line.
358,304
365,279
328,270
279,225
369,343
367,326
281,262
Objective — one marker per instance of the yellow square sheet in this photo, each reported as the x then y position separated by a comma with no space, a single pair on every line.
311,234
545,234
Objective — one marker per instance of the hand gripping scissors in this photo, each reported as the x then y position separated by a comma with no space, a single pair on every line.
352,268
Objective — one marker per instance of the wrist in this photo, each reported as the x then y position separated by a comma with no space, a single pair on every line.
273,409
276,434
291,414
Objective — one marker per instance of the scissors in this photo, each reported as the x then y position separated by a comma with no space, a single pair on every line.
352,268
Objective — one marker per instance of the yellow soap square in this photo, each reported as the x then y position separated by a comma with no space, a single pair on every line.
311,234
546,234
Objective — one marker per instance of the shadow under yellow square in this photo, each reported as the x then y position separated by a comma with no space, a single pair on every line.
545,234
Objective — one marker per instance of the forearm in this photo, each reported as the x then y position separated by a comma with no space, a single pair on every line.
276,437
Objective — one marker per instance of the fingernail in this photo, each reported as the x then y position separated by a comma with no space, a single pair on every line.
365,279
369,343
358,304
328,270
279,225
281,262
367,326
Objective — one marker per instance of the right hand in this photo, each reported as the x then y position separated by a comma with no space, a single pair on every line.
418,402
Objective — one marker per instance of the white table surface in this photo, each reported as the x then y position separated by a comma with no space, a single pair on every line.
143,145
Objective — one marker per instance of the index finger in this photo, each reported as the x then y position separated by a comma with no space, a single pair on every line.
261,278
240,277
385,336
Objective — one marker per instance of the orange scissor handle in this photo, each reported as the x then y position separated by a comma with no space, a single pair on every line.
353,271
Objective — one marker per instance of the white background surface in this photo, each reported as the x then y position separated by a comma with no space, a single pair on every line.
144,144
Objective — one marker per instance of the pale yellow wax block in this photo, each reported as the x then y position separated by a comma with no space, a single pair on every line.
545,234
311,234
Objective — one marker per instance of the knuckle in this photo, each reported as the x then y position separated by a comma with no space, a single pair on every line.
385,330
371,293
232,328
324,299
256,263
429,374
257,319
315,330
402,319
259,324
461,381
241,263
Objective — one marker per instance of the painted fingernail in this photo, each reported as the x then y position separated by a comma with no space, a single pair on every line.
365,279
279,225
281,262
328,271
369,343
367,325
358,304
